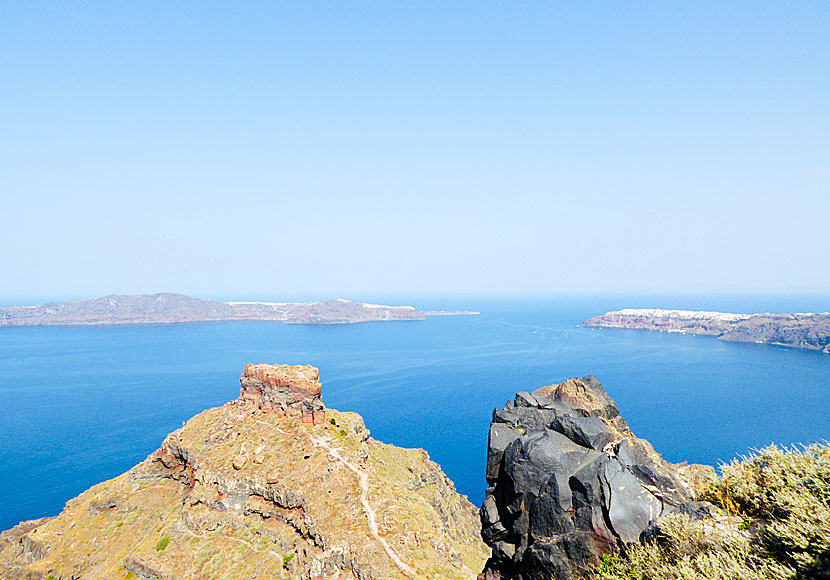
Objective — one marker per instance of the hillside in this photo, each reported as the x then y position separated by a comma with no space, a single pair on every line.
270,485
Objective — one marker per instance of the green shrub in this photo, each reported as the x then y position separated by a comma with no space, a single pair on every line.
286,559
162,543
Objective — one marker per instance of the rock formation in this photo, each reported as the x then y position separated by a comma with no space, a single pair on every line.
285,390
569,483
271,485
810,331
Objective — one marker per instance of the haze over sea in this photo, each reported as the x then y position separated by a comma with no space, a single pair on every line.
79,405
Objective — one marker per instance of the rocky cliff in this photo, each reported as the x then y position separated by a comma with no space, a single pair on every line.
167,308
270,485
569,483
810,331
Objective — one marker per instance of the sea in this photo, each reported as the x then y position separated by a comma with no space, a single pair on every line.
80,405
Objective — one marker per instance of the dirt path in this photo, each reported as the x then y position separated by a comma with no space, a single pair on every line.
363,480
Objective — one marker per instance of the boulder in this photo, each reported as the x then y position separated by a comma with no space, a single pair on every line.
570,483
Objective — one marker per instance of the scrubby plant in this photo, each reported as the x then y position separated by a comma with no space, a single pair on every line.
780,503
162,544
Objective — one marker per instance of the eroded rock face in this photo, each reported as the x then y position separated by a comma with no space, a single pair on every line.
285,390
569,483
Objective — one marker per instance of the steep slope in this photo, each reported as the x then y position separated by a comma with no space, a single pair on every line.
271,485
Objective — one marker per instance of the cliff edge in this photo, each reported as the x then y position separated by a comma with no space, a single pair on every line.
270,485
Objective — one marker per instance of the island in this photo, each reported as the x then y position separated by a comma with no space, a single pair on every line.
168,308
800,330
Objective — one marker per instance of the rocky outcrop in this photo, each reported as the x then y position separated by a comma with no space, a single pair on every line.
285,390
261,488
810,331
569,482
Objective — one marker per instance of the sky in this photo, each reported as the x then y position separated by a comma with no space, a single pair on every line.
352,148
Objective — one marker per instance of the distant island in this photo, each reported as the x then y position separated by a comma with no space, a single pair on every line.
168,308
801,330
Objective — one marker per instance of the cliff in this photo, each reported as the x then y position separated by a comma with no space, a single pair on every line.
270,485
169,308
810,331
570,484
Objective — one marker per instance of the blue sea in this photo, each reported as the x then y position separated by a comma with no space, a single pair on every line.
79,405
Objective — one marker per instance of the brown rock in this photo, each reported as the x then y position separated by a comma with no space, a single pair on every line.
273,476
240,461
167,459
585,394
259,458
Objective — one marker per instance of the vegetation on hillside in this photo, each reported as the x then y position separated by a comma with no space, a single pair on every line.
777,503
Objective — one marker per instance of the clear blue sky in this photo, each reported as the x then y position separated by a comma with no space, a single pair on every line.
346,148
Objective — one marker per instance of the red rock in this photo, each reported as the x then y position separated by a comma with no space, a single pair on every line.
167,459
284,390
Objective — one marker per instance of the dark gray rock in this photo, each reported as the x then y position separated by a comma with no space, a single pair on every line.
501,435
698,510
590,432
525,399
526,417
569,483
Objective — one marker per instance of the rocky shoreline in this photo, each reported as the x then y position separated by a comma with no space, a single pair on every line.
802,330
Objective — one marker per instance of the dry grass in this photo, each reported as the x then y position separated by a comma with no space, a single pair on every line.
781,497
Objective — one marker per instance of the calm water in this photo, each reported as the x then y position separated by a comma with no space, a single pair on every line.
81,405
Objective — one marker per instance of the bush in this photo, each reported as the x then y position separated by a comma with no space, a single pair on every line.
162,543
782,500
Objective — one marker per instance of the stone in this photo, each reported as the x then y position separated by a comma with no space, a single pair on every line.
589,432
273,477
239,461
525,399
500,437
569,483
